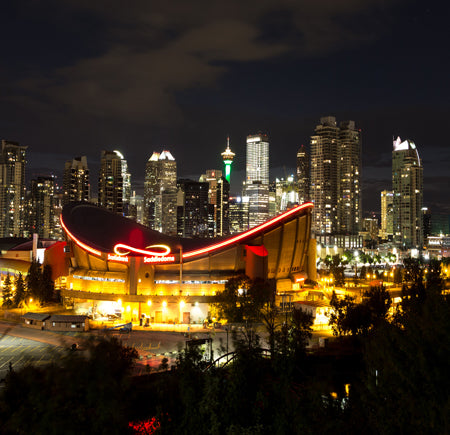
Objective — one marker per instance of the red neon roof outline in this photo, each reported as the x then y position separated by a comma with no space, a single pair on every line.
119,246
248,233
78,242
209,248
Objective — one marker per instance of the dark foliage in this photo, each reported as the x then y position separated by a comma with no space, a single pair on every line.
81,395
8,295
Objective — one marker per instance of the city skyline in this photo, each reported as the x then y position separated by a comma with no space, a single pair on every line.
78,78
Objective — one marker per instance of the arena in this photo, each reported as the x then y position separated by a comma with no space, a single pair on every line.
116,268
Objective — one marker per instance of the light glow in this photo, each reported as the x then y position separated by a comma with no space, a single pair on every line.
122,249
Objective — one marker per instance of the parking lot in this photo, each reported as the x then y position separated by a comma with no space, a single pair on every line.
15,352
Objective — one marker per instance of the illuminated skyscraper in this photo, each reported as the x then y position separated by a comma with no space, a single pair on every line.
126,185
303,175
110,182
12,189
218,196
160,187
286,194
407,187
335,185
387,223
195,215
324,176
257,178
238,207
151,189
228,157
42,212
76,185
349,173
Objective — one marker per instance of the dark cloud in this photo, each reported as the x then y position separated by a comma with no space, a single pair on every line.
81,76
148,51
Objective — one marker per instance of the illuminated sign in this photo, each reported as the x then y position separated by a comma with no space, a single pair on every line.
121,258
155,259
161,250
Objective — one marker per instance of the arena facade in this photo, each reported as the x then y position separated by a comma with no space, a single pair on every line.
115,267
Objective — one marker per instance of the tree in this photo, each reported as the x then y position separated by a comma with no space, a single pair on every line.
338,313
378,301
398,275
7,292
347,317
34,280
434,275
47,284
80,394
300,332
243,298
362,273
19,295
270,318
407,370
414,270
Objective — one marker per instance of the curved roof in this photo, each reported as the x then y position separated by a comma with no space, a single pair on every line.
97,230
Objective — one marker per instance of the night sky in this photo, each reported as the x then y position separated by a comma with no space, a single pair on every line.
80,76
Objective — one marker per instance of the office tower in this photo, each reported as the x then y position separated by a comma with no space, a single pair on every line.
228,157
303,175
42,211
195,215
349,173
272,199
257,178
110,182
407,176
286,193
58,197
12,189
387,223
222,208
151,189
218,196
76,186
370,226
238,208
335,185
426,222
137,207
126,185
160,188
212,177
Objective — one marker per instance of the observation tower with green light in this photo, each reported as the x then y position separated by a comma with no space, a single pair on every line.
228,157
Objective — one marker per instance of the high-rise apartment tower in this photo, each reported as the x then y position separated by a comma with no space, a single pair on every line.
76,185
335,186
42,213
407,187
12,189
303,176
110,182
